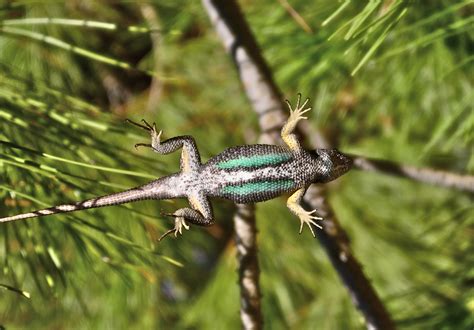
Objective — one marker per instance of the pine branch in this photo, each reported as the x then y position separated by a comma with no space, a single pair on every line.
427,175
422,174
249,272
264,95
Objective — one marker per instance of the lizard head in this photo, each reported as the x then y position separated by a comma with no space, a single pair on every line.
331,164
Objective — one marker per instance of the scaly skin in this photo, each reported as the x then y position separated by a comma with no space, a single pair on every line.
243,174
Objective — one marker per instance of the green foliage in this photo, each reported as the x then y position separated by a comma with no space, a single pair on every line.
391,79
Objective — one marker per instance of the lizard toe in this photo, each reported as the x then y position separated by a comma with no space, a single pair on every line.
179,223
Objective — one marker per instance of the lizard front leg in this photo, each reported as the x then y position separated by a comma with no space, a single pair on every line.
190,158
296,115
306,217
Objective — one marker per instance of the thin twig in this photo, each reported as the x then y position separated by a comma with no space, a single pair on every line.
427,175
249,272
265,97
422,174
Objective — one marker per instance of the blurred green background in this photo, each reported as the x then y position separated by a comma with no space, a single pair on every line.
389,79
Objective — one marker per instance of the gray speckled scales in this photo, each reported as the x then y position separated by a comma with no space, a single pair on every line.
243,174
256,173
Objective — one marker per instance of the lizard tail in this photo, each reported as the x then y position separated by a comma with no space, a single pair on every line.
152,190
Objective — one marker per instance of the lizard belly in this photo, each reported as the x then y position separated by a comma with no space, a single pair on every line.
257,191
251,186
254,173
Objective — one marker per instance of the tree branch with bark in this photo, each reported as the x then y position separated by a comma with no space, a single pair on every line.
265,98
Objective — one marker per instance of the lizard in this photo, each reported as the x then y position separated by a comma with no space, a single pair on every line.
243,174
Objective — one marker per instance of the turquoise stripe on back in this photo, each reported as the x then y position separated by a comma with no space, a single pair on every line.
254,161
258,187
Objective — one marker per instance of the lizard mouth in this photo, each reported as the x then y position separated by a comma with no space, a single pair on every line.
341,163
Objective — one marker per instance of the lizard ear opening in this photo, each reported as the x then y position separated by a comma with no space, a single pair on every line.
315,153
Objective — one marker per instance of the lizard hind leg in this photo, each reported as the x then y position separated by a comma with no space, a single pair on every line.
190,158
306,217
200,214
181,216
296,114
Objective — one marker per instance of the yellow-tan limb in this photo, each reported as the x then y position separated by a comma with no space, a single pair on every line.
306,217
296,115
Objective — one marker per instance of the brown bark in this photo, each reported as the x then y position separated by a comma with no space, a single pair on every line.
249,272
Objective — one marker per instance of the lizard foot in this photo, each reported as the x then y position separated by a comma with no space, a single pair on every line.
145,125
296,114
307,217
155,135
179,223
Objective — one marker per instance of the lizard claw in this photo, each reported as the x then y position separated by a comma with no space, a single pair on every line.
309,219
142,145
150,127
155,135
136,124
146,126
179,223
296,113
